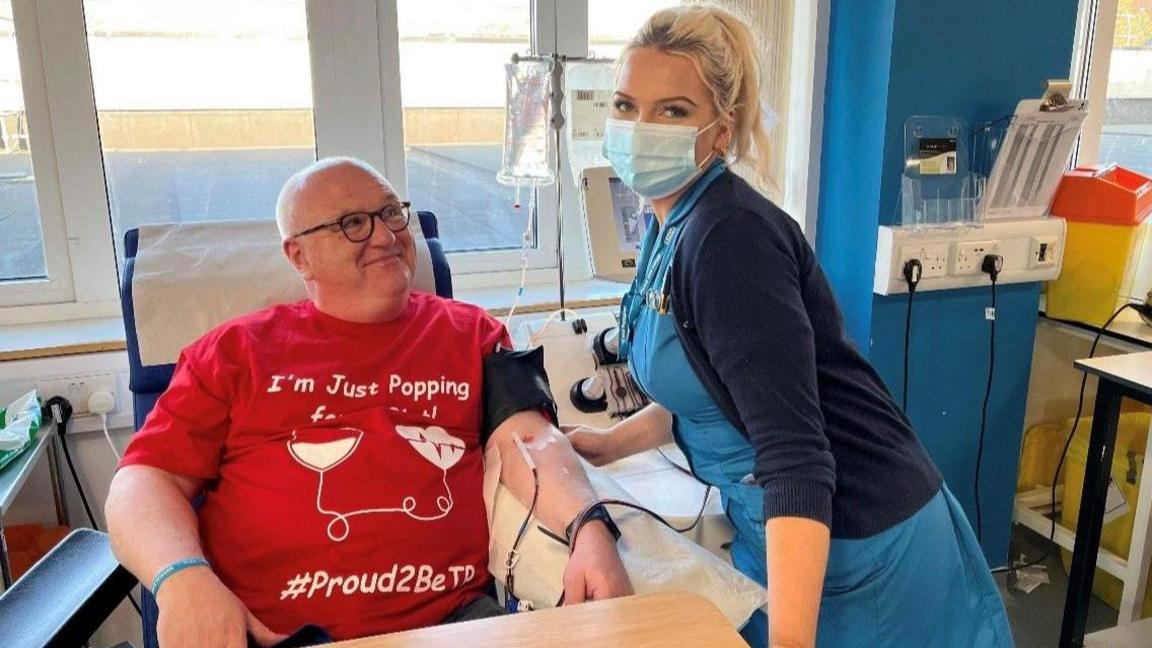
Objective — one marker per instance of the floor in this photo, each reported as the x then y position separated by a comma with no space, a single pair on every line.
1036,617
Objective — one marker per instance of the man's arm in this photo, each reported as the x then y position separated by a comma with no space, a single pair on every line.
594,570
152,525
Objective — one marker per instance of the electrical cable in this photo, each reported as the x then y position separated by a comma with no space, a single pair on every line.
707,491
62,418
913,270
108,436
61,411
992,264
1068,441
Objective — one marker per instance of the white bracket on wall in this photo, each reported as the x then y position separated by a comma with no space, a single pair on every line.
1033,250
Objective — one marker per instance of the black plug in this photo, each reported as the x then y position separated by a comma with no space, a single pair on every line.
1145,308
913,270
59,410
992,265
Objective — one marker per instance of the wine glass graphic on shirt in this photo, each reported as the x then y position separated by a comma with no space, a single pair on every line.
321,450
322,456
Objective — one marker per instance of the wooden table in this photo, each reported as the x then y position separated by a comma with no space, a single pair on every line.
667,619
1120,376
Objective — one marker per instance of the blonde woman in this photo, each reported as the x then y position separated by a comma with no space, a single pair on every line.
731,328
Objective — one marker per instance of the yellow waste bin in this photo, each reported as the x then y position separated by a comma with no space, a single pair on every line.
1099,265
1104,207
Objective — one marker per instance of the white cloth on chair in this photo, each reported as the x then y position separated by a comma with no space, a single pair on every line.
191,277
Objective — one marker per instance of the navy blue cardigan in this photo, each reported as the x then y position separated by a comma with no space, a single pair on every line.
762,331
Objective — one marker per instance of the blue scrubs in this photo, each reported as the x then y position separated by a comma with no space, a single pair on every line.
923,582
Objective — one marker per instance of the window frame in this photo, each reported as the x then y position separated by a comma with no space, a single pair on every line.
57,86
58,286
1091,60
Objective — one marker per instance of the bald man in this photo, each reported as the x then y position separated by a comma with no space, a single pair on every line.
338,446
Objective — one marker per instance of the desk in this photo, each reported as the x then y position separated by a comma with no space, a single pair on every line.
12,479
1119,377
650,477
657,620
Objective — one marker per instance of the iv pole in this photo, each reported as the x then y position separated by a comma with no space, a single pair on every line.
556,97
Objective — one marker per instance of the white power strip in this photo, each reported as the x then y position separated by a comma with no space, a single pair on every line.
1033,250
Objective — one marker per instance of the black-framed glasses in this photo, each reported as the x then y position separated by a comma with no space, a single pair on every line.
359,226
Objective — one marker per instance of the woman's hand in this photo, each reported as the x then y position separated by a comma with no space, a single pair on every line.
649,428
597,445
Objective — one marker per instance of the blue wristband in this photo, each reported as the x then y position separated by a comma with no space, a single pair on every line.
179,565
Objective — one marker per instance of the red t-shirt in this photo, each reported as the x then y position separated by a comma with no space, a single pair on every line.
343,462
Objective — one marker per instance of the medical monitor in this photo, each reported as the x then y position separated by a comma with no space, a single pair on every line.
615,221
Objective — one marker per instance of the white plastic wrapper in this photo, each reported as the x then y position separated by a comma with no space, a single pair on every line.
21,423
527,161
657,558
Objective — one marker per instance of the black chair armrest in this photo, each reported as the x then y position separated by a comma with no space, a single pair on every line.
67,595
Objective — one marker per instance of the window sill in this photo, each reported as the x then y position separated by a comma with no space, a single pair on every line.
53,339
545,297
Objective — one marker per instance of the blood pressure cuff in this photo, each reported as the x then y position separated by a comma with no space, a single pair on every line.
514,381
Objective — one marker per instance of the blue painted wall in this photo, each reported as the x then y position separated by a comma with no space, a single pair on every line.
974,59
851,163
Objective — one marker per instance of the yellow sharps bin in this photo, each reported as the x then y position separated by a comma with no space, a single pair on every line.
1105,209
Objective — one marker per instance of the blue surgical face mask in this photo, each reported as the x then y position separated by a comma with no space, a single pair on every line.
654,160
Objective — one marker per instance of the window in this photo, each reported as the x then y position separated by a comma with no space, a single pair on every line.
452,58
1115,72
612,24
20,228
1126,136
200,118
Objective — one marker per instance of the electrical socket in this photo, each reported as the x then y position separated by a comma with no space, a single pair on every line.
1044,252
967,256
78,389
933,258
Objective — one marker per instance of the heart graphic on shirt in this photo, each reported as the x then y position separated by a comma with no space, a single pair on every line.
434,444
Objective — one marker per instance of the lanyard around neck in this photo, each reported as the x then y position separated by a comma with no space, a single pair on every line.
659,247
